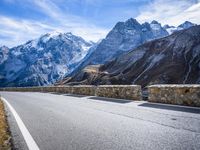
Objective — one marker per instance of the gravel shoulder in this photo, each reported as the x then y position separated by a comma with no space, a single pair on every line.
5,137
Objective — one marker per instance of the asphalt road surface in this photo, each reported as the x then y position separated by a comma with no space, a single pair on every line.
72,122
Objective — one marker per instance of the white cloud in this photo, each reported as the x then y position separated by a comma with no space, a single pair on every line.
17,31
20,31
173,12
48,8
72,23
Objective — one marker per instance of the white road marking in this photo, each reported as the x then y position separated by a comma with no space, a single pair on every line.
27,136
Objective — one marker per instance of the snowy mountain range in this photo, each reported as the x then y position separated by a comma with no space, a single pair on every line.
174,59
172,29
53,56
43,60
126,36
123,37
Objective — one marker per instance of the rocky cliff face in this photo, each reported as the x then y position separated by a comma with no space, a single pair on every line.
124,37
41,61
173,59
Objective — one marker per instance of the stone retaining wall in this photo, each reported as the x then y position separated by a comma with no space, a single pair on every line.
84,90
132,92
171,94
175,94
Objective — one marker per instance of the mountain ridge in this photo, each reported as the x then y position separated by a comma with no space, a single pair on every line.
123,37
169,60
55,55
42,61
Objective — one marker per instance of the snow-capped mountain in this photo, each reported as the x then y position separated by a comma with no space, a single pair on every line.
172,29
186,25
3,54
174,59
54,55
43,60
124,37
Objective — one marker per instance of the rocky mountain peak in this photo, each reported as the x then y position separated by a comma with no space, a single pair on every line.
123,37
43,60
174,59
172,29
168,26
186,25
132,22
154,22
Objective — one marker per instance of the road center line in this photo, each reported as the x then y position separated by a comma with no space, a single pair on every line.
27,136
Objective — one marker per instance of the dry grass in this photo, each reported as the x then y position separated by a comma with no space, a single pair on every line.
92,68
4,134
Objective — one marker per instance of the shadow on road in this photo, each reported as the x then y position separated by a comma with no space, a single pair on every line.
110,100
56,93
169,107
74,95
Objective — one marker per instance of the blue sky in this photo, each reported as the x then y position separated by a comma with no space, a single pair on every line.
21,20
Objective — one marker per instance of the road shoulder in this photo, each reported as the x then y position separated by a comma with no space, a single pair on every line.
5,138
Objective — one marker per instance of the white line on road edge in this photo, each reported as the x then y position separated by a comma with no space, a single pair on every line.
27,136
